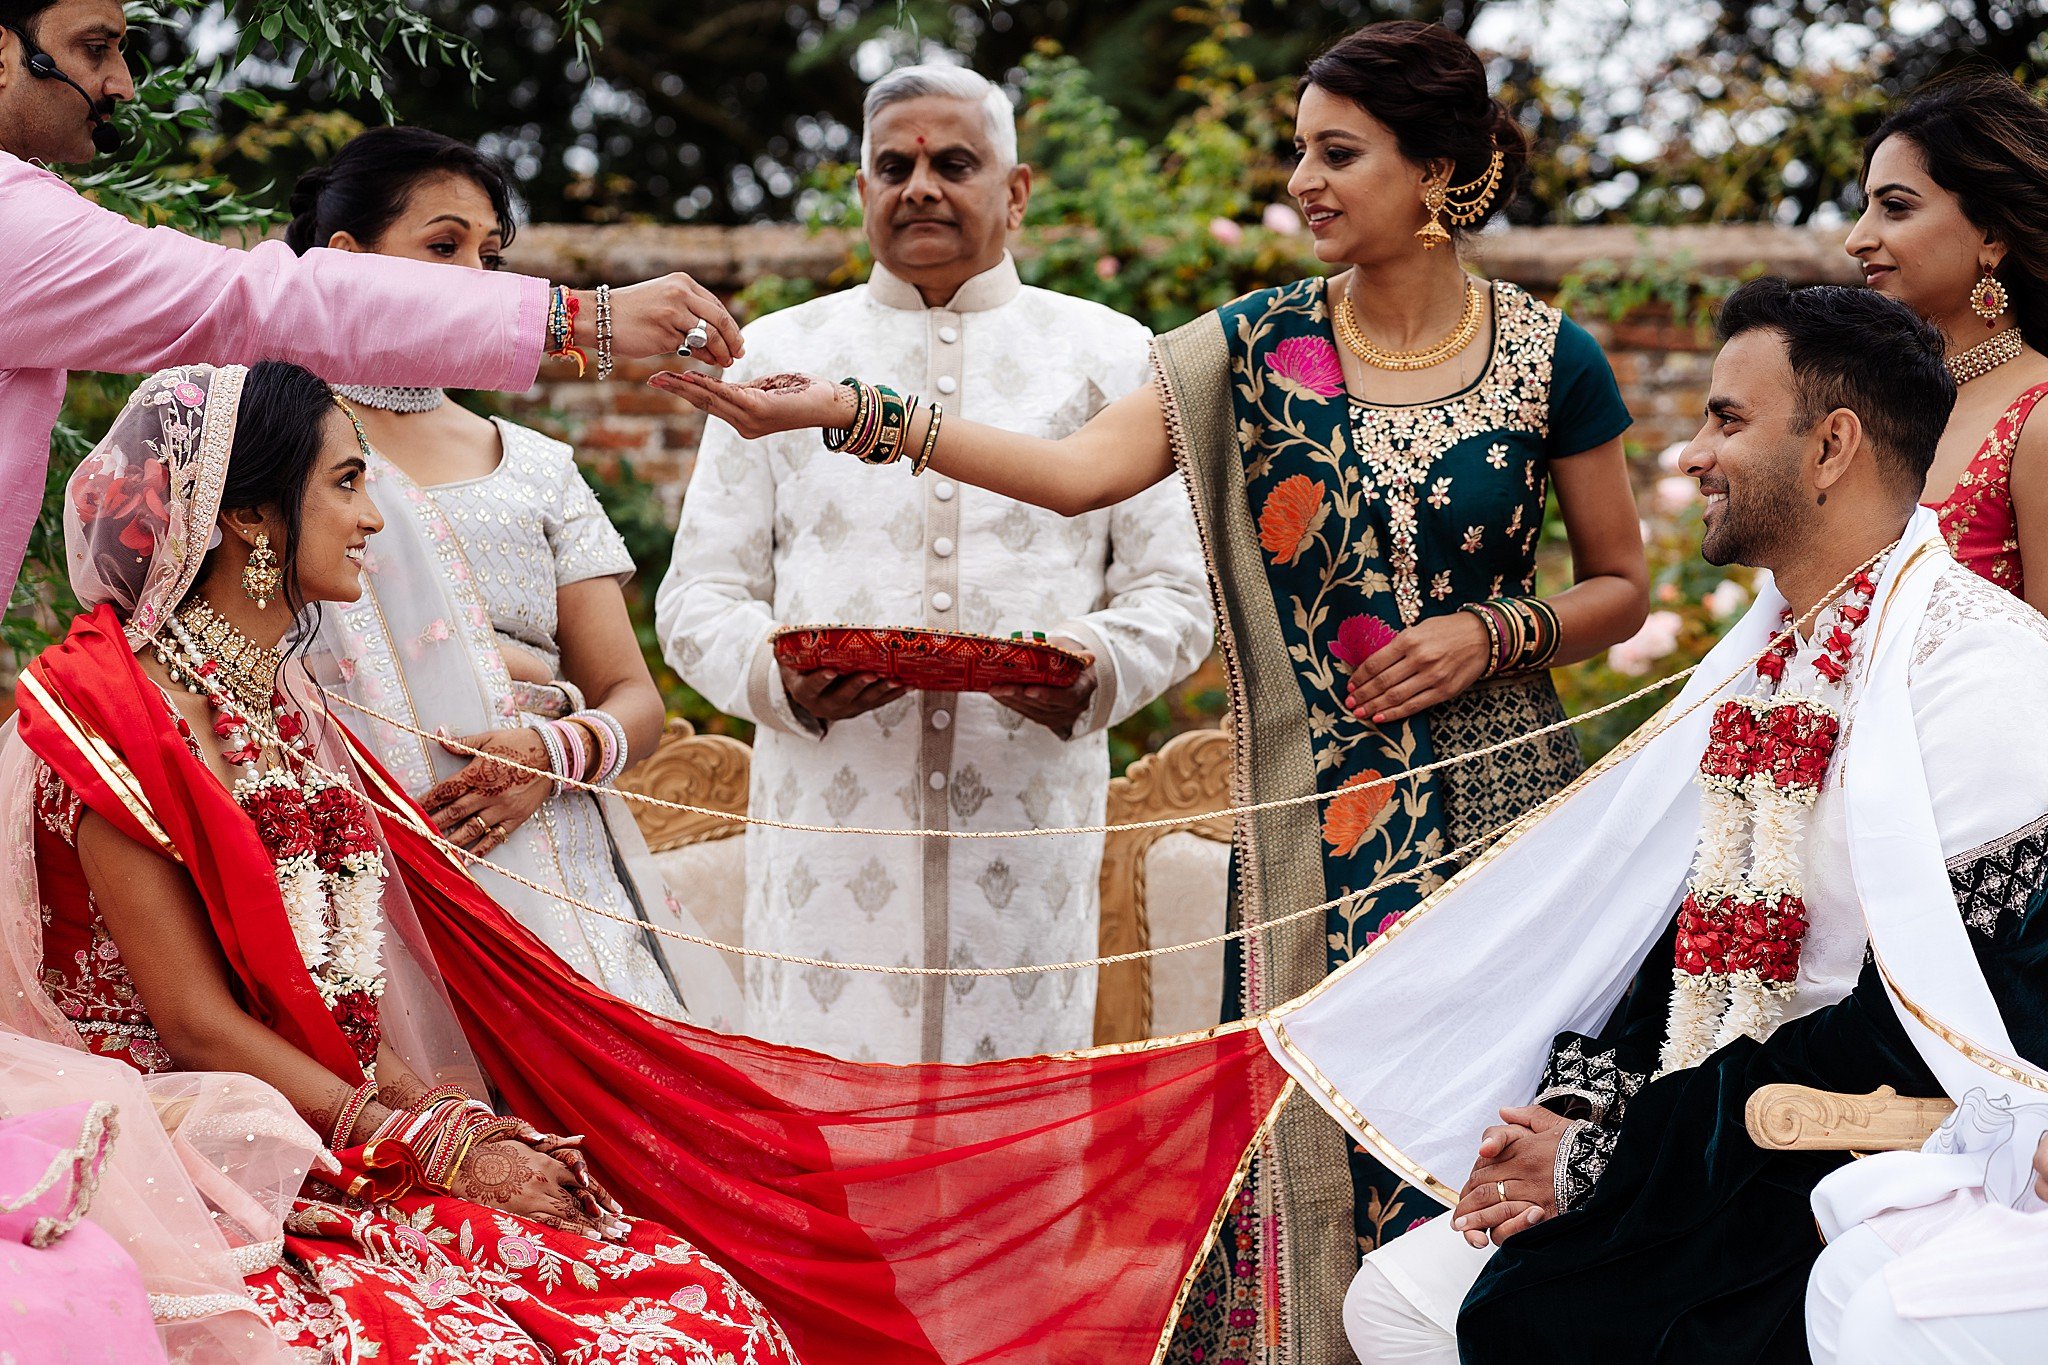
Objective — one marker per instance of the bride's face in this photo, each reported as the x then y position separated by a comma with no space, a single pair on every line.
336,518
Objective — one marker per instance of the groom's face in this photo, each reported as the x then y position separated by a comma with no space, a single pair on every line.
1749,456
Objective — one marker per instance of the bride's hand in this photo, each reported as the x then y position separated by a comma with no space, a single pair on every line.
780,402
512,1176
480,806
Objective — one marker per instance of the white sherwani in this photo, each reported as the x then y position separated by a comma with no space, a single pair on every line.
784,532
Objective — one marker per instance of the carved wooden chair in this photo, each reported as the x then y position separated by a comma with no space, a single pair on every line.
1190,775
701,857
1797,1118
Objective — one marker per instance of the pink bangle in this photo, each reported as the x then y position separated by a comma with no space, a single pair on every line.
577,752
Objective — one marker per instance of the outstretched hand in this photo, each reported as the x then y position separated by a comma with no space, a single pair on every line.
762,407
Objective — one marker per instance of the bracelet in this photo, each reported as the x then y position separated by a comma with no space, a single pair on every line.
931,441
1491,622
562,309
881,421
1523,633
576,753
610,735
351,1111
558,761
604,332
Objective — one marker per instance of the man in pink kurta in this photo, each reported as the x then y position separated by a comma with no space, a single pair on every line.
85,289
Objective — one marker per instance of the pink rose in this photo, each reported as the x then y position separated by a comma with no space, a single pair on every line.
1227,231
518,1252
1108,267
1281,219
190,394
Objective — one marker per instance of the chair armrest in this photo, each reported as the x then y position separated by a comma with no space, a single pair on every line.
1798,1118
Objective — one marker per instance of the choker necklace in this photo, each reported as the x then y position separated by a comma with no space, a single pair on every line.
247,670
1381,358
1986,356
389,398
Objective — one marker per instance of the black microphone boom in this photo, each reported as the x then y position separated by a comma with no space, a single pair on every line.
106,138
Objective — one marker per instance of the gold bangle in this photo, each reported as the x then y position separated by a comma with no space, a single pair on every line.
931,441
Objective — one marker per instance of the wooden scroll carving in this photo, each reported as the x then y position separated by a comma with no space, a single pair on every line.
1796,1118
700,770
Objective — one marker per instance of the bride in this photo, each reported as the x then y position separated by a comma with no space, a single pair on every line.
193,852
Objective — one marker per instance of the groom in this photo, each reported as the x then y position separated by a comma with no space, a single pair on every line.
1617,1210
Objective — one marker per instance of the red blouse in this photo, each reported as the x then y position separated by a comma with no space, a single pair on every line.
1976,517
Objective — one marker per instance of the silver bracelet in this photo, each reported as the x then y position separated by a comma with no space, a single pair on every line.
558,757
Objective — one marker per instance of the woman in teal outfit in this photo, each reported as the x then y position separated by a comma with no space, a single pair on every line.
1369,456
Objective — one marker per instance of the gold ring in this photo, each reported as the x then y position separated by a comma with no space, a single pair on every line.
481,828
1500,1187
498,832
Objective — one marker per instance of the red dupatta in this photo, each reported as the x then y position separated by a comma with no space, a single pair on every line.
1045,1209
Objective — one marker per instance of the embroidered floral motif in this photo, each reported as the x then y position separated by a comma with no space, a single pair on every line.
1582,1156
1307,367
1350,818
1294,512
1977,518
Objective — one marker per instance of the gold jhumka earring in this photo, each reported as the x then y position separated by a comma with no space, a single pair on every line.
1462,204
1988,300
261,578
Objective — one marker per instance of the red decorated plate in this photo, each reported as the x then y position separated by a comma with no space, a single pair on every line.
930,660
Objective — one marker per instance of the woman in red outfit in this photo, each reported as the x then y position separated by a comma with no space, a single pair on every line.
1956,227
216,895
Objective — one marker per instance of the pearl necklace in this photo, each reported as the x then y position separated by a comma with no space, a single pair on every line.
1986,356
390,398
1381,358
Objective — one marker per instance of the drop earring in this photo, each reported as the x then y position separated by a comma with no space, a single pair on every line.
1988,299
261,578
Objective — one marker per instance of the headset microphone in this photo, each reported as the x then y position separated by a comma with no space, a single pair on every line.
106,138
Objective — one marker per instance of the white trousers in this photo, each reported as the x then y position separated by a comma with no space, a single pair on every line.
1850,1319
1402,1307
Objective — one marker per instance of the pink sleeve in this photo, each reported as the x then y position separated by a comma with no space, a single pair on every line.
88,290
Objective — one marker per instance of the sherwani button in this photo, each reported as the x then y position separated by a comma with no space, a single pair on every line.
949,335
938,781
942,601
941,719
947,383
943,492
943,547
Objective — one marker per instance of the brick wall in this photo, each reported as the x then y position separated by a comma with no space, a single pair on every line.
1662,368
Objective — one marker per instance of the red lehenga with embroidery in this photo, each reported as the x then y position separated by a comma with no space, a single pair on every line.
1977,518
1037,1209
425,1277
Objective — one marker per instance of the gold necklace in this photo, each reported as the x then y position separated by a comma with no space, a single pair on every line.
1986,356
1381,358
247,670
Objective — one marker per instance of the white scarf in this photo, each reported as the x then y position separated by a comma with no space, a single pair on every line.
1416,1044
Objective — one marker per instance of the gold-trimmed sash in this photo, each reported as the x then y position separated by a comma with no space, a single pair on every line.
120,779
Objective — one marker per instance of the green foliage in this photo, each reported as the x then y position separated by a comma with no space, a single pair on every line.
1673,286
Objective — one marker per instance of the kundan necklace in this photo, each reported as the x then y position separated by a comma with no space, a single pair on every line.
391,398
1743,921
318,833
247,669
1381,358
1986,356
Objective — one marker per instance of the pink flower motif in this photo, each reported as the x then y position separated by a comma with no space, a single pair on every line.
1359,638
190,394
1416,1224
518,1252
691,1298
1306,367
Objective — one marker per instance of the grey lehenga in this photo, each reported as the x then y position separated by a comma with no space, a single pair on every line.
460,572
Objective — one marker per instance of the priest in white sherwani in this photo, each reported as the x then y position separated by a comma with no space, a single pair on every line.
783,532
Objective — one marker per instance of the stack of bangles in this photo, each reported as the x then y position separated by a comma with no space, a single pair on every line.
880,430
562,310
436,1134
1522,633
585,746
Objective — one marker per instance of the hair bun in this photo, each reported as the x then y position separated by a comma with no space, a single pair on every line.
304,207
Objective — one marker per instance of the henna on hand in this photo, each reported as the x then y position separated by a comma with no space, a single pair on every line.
781,383
492,1174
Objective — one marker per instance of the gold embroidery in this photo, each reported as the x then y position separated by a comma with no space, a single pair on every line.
112,771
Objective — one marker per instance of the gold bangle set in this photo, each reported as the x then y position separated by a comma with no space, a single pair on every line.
879,431
1522,633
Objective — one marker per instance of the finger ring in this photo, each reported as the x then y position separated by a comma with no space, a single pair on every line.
498,832
481,828
693,339
1500,1187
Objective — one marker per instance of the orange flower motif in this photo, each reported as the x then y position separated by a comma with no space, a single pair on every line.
1294,511
1354,816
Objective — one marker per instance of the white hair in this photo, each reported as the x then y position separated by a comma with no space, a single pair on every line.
950,82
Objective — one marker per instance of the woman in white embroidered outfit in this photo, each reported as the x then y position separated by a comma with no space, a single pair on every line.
493,610
165,749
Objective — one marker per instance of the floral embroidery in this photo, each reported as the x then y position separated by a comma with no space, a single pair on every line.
1977,518
1294,512
1355,815
1307,367
1360,637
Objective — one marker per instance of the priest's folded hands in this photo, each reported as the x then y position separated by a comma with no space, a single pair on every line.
1514,1184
